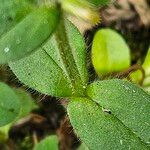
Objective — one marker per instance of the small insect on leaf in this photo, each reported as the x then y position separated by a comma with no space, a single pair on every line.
106,110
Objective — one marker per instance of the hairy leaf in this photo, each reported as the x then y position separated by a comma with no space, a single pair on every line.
127,102
48,70
28,34
110,53
99,129
9,105
49,143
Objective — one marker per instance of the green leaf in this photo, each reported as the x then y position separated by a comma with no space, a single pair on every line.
110,53
100,2
9,105
28,34
49,143
127,102
27,104
100,130
48,70
11,12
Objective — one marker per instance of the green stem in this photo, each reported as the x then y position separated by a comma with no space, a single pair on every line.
68,59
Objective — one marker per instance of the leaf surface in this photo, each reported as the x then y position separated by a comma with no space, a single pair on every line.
29,34
127,102
100,130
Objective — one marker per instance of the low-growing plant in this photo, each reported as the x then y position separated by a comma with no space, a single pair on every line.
47,53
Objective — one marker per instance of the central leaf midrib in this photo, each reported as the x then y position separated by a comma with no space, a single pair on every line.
64,71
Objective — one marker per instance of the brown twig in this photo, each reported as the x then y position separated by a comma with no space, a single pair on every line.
126,73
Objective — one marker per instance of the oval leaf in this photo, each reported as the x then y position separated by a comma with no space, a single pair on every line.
110,53
100,130
29,34
52,75
49,143
9,105
127,102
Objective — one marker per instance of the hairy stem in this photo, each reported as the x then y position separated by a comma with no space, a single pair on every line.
66,54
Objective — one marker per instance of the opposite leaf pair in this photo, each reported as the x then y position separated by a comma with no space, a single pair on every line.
127,122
